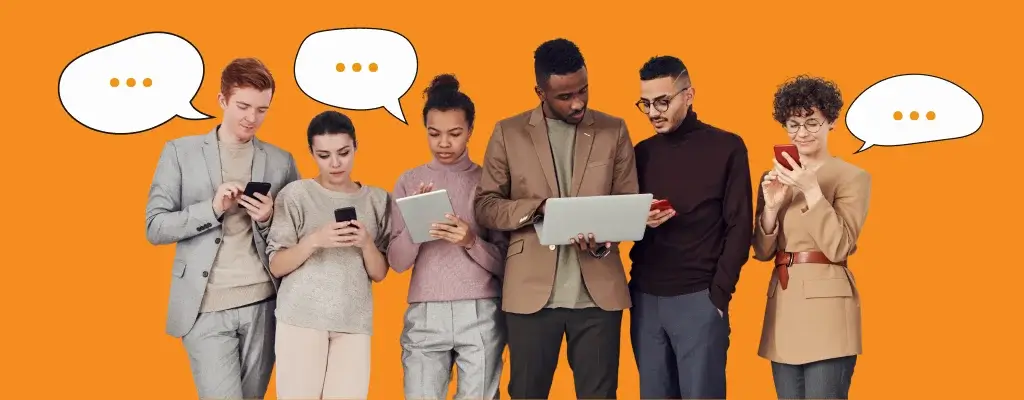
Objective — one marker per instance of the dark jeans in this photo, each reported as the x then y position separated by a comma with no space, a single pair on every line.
680,344
826,379
535,340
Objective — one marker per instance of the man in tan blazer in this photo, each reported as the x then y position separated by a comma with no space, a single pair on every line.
559,149
222,294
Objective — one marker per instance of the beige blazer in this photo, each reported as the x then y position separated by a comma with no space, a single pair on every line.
519,173
818,315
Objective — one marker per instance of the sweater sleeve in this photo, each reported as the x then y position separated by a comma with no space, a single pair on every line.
402,251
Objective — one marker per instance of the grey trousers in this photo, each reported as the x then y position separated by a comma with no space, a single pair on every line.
680,344
231,352
826,379
469,334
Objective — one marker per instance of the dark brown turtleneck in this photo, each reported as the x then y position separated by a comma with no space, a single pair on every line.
704,172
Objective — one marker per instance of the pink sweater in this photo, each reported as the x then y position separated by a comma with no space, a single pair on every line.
445,271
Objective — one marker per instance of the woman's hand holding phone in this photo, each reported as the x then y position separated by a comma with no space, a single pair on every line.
773,190
331,235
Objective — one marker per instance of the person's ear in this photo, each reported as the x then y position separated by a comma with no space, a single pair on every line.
539,92
223,101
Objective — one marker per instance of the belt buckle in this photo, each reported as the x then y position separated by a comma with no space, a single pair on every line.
792,255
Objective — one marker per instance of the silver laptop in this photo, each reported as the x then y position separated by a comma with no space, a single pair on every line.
420,211
611,218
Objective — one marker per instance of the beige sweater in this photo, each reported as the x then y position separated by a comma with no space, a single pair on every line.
330,291
238,276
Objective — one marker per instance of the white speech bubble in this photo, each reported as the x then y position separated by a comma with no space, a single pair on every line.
327,62
169,64
911,109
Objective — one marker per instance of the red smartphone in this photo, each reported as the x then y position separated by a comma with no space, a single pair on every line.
661,205
788,149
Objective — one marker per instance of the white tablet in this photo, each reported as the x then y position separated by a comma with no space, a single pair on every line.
420,211
612,218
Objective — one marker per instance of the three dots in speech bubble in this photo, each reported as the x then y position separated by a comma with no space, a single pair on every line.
114,82
356,67
898,115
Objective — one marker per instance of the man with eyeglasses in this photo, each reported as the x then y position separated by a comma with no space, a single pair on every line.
686,267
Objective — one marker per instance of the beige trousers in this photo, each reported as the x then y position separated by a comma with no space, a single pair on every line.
315,364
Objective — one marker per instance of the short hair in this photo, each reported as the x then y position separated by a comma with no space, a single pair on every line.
443,94
556,57
663,66
246,73
330,122
798,95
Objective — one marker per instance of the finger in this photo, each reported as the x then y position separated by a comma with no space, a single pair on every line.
792,163
248,206
443,227
591,242
263,198
453,218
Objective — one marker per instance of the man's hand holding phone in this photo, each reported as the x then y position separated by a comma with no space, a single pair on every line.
589,244
660,212
226,197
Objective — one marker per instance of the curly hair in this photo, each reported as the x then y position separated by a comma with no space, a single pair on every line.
797,97
556,57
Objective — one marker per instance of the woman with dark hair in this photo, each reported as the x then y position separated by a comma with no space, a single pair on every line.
808,220
454,313
325,303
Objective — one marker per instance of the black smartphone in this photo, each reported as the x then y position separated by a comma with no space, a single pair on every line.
252,188
345,214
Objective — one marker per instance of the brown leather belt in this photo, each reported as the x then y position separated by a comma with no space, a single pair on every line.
784,260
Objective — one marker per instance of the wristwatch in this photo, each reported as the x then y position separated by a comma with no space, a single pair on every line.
601,252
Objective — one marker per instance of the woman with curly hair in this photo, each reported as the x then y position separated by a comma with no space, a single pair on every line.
808,219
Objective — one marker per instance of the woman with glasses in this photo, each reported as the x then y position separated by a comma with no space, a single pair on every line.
808,218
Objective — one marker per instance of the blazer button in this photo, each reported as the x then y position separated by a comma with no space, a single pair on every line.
217,240
205,274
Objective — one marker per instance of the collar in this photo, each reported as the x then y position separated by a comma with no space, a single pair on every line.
690,123
463,163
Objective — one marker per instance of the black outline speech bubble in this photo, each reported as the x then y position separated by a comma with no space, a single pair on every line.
202,78
399,99
846,121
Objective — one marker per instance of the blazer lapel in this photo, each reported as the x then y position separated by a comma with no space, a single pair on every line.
539,134
259,160
211,152
584,143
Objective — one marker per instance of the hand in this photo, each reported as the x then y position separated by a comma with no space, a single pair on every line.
799,177
456,232
226,197
773,190
588,244
260,209
328,236
354,235
424,188
655,217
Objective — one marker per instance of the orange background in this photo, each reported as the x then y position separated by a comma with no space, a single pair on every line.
86,295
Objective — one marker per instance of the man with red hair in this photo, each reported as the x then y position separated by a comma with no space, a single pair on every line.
222,294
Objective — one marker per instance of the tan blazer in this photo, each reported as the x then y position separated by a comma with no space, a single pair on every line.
818,315
519,173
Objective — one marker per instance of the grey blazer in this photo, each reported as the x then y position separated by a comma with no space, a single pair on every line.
180,211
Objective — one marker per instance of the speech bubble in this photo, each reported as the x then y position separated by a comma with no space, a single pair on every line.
357,69
133,85
911,109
